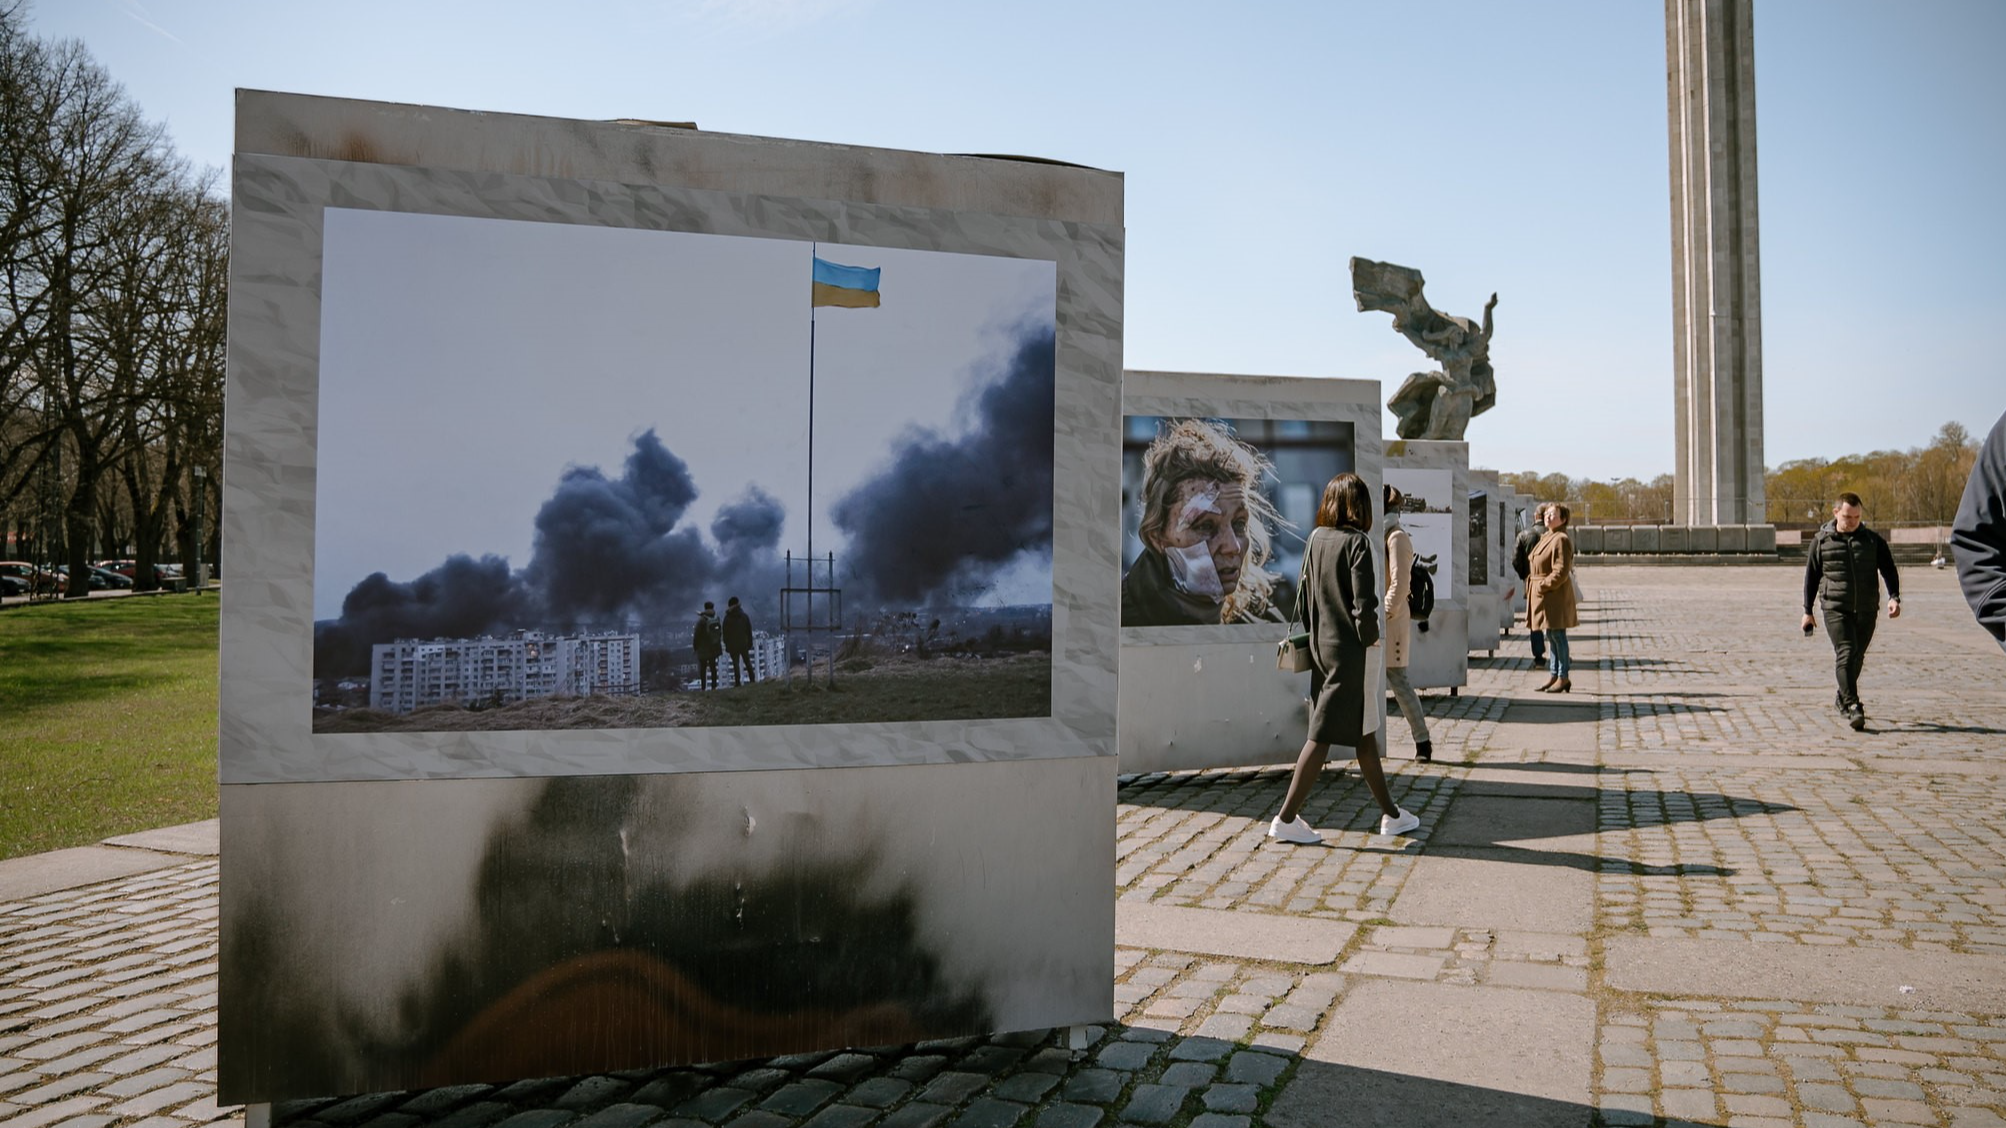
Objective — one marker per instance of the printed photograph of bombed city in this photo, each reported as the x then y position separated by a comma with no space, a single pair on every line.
574,477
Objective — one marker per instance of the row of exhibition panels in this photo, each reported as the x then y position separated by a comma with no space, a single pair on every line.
1195,697
404,909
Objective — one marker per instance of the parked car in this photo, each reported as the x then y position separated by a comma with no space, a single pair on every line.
112,580
163,574
13,585
101,579
40,579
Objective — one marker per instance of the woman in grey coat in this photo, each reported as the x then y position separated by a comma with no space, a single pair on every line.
1339,603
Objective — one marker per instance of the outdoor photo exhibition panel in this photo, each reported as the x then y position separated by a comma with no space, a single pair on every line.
1504,535
672,608
1434,476
1485,588
1221,478
1521,520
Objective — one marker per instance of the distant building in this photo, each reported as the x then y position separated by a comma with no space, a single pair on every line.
410,673
769,656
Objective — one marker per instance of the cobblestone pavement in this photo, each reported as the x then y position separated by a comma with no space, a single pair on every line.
1697,789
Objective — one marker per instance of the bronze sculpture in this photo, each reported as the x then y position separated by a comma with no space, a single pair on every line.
1430,405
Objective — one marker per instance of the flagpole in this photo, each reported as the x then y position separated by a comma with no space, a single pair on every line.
813,249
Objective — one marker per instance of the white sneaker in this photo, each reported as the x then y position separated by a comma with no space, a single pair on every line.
1296,830
1400,823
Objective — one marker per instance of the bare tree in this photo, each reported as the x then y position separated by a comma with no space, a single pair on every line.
111,296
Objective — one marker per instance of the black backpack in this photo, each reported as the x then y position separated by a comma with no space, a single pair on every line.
708,636
1420,591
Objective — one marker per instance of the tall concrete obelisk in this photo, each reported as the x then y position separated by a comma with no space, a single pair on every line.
1716,285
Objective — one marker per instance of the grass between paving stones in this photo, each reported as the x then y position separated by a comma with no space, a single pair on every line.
107,719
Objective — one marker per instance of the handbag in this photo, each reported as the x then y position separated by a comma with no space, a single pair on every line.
1292,653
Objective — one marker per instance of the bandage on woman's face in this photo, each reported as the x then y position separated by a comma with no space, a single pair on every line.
1205,540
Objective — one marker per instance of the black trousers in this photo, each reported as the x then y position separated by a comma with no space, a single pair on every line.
1850,633
741,666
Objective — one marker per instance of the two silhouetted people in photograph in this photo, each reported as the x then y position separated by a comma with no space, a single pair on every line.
713,640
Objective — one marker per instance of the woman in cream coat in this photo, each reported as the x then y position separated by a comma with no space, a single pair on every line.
1400,624
1549,591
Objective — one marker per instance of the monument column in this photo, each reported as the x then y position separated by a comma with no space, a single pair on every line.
1716,287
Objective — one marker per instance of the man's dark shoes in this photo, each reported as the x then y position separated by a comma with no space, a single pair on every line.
1425,751
1857,717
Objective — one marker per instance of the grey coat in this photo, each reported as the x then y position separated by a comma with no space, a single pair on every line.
1340,609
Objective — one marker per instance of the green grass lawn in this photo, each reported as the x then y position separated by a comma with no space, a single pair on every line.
107,719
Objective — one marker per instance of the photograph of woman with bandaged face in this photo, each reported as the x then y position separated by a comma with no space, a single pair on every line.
1214,512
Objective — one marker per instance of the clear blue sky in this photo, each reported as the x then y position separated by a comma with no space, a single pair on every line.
1517,147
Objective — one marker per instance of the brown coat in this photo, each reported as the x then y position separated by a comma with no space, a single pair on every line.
1549,585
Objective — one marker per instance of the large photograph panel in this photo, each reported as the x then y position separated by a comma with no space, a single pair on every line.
1428,514
1215,513
562,469
593,923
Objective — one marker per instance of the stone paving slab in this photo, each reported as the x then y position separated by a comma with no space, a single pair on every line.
201,838
1485,889
1516,820
1216,932
21,878
1519,783
1427,1054
1883,977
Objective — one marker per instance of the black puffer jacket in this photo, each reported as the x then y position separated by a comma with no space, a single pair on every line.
1978,538
1839,571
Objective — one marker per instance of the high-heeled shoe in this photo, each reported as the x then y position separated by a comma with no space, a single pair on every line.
1561,686
1550,683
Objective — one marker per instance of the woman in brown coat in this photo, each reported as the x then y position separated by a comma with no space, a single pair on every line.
1339,603
1549,590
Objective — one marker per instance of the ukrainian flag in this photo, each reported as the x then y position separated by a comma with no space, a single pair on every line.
851,287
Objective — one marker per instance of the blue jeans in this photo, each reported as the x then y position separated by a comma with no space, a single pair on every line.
1538,645
1556,645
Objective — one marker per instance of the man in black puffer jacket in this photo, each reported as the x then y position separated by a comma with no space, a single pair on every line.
1978,536
1841,573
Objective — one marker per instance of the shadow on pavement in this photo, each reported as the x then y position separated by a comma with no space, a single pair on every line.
1128,1074
1933,729
1320,1090
1546,709
1499,820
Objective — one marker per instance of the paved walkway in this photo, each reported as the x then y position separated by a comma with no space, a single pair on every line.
1685,893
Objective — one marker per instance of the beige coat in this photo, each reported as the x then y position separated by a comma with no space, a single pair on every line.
1399,621
1549,585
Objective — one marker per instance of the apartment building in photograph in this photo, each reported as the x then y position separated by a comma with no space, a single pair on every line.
411,673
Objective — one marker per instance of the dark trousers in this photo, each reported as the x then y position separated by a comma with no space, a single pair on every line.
740,659
1538,645
1850,633
707,666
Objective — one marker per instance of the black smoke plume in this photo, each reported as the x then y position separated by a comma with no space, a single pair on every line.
609,553
605,547
947,513
461,598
